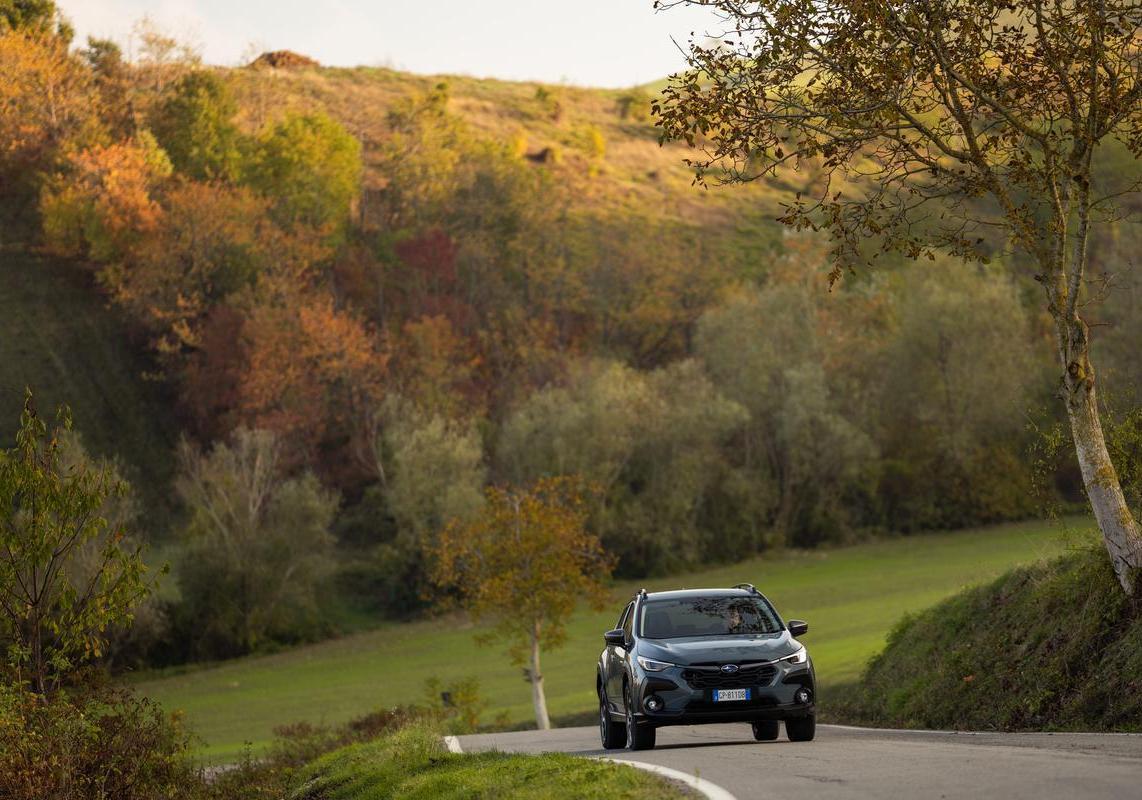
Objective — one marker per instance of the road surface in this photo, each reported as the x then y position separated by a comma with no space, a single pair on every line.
867,763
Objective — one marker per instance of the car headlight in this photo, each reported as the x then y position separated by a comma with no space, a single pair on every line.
800,657
650,665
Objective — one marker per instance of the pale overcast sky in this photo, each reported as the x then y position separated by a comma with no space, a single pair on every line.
613,43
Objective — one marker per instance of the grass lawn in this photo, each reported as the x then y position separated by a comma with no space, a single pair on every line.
851,597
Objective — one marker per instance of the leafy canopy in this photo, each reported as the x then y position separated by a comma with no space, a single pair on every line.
927,123
65,574
311,166
525,562
194,124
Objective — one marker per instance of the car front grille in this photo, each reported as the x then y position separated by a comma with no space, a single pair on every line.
712,677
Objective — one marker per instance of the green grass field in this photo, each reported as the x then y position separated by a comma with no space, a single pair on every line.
851,597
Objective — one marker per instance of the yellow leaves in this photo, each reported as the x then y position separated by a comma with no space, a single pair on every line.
48,98
527,560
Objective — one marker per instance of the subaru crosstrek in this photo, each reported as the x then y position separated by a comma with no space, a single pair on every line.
704,655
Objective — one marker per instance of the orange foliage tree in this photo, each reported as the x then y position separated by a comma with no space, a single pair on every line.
313,373
50,107
103,204
525,562
214,242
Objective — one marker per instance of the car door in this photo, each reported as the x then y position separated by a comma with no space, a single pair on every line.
614,662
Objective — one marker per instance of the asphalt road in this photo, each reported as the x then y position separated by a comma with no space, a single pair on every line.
868,763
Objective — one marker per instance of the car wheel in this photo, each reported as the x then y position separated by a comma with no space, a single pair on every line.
613,734
638,737
766,730
801,729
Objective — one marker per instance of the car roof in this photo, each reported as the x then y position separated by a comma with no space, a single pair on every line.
682,594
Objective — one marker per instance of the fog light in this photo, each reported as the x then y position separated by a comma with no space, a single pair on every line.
653,703
803,695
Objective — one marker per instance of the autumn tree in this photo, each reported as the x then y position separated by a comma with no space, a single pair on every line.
104,202
112,77
66,573
525,563
933,125
215,241
313,373
51,109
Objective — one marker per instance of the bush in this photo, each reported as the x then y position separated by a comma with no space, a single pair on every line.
111,745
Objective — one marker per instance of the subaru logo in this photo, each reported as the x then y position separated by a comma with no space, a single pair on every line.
729,668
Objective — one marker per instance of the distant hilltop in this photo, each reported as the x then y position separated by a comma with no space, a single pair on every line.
283,59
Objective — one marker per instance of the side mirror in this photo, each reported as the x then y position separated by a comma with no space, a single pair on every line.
797,627
616,637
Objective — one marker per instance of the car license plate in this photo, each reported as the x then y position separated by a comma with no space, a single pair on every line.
724,695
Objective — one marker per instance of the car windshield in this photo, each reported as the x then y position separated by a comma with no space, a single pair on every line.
707,616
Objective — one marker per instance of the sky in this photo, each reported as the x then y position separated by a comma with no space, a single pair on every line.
608,43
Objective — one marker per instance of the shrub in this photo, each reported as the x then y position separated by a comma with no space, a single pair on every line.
110,746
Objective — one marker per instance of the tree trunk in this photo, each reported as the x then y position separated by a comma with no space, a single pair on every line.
1120,531
538,698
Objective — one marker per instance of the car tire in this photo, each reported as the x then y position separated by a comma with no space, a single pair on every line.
766,730
638,737
613,734
801,729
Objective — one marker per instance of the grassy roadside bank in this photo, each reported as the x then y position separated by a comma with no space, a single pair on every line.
413,763
851,597
1049,646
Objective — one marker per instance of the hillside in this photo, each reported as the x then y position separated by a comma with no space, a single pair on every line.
58,337
851,598
635,172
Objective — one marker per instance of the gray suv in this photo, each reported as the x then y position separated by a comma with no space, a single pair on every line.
704,655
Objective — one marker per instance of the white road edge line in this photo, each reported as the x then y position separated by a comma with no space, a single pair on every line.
453,744
711,790
976,733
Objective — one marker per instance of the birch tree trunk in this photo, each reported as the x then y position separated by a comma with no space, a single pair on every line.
538,698
1120,530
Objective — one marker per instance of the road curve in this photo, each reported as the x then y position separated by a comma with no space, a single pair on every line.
851,763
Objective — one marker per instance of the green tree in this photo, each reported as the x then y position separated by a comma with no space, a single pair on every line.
525,563
310,166
431,471
195,125
951,397
992,110
66,573
761,350
257,545
650,441
28,15
432,467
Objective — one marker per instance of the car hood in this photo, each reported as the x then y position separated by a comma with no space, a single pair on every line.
721,649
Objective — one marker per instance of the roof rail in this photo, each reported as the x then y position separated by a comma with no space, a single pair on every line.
749,587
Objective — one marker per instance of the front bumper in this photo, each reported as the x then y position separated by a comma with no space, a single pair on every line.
683,704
